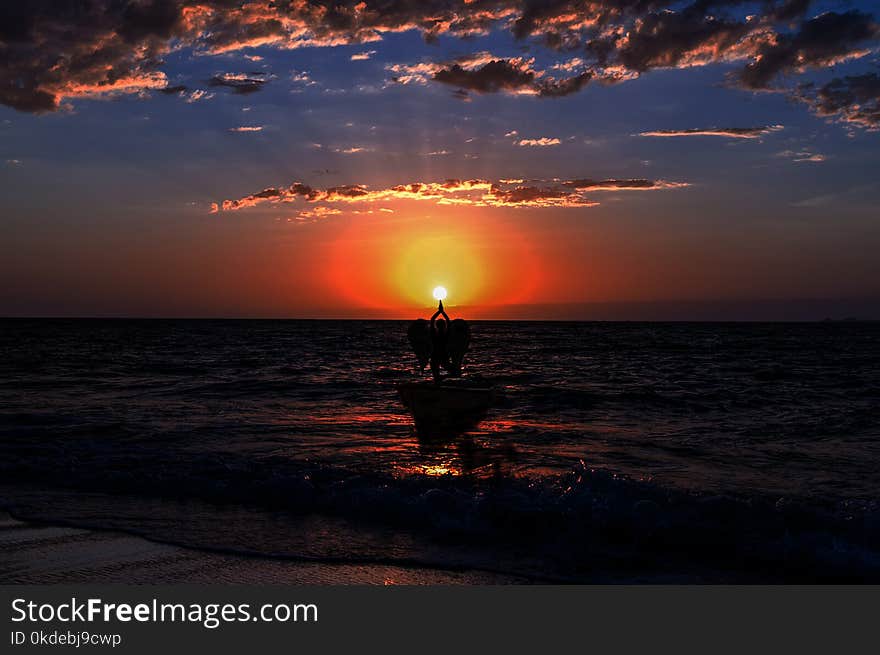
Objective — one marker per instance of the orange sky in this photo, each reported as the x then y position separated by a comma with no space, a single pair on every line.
495,262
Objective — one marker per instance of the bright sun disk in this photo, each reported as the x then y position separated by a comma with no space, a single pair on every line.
439,293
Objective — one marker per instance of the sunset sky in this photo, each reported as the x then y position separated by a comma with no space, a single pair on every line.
556,159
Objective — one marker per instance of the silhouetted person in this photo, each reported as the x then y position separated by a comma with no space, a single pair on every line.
439,341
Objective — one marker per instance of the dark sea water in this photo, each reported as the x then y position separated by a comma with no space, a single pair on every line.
614,451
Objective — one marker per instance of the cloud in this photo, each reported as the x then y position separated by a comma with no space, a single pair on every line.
422,72
525,196
247,128
51,53
302,80
513,75
484,73
198,95
240,83
821,42
321,211
542,142
694,36
553,88
361,56
816,201
802,156
851,99
728,132
183,91
474,192
571,64
632,184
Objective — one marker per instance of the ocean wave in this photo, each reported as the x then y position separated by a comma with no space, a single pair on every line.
582,526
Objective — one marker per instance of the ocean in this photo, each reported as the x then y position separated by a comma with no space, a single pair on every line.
613,452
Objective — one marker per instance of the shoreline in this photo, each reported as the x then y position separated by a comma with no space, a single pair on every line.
36,552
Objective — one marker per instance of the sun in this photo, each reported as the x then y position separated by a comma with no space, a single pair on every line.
394,264
439,293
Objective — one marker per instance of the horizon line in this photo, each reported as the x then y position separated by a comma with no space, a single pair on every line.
135,317
794,310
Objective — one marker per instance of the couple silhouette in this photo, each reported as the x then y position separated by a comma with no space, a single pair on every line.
440,342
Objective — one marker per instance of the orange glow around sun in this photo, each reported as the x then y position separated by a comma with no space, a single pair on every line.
394,262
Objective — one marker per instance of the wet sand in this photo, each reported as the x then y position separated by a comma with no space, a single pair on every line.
31,553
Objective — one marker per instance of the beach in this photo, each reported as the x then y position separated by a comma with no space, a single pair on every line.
32,553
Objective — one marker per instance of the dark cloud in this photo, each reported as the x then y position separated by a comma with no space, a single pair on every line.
558,88
789,10
514,75
497,75
51,50
820,42
57,50
852,99
673,39
151,18
239,83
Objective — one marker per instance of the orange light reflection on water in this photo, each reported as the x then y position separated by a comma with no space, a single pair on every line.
434,470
